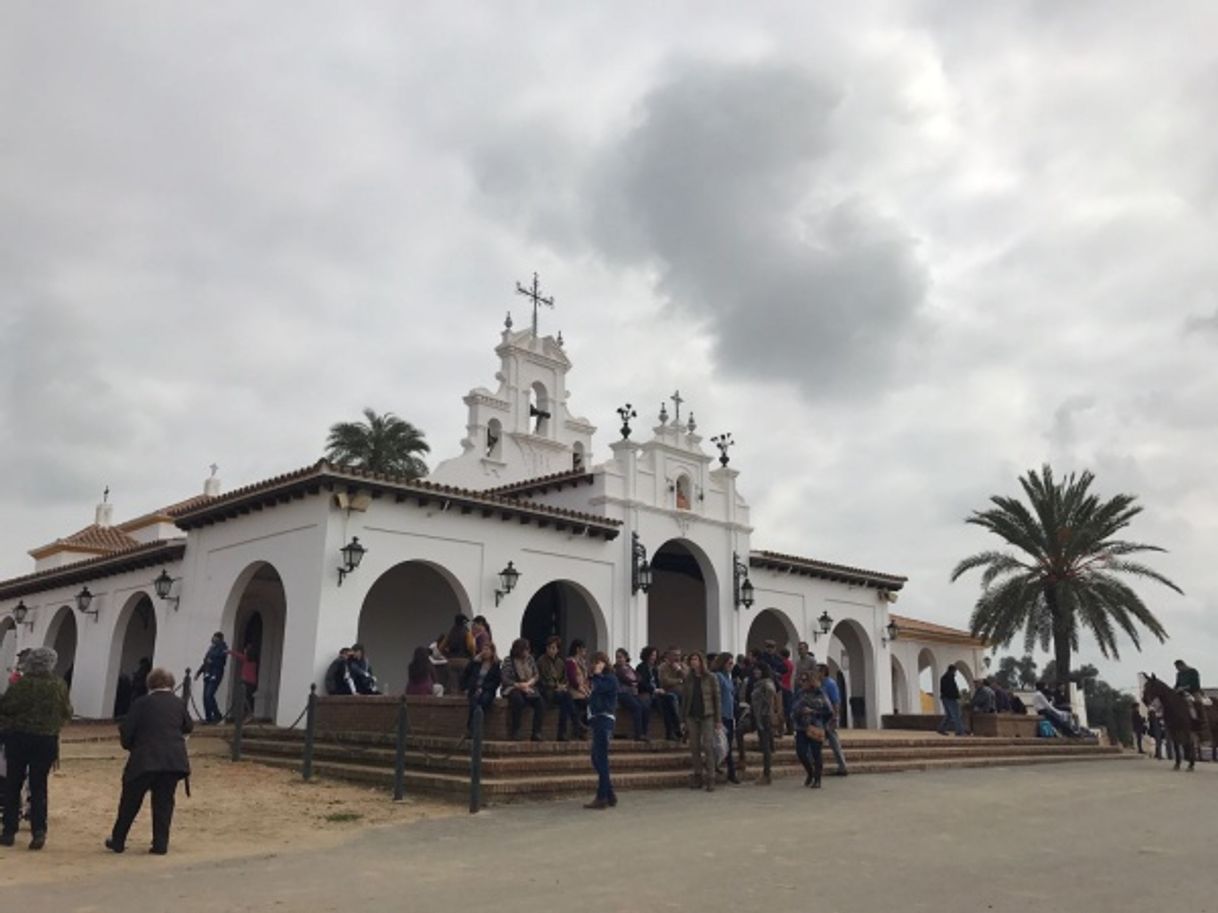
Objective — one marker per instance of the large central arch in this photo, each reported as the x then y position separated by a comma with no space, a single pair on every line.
408,606
683,601
256,615
565,609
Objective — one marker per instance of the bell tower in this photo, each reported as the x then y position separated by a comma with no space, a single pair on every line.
523,429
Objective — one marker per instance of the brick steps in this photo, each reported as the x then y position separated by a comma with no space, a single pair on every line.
514,770
523,786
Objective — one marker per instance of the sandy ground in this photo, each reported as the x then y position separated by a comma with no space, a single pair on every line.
235,811
1083,837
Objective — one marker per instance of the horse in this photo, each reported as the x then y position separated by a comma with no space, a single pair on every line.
1176,719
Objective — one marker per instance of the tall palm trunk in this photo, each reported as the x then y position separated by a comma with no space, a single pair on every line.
1061,637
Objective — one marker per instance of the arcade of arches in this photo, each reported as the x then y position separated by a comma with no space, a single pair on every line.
256,617
410,605
770,624
135,640
561,608
61,637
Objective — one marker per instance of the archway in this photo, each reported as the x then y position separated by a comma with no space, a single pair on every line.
683,599
255,616
900,689
771,624
856,661
61,637
134,639
8,650
565,609
408,606
928,682
965,680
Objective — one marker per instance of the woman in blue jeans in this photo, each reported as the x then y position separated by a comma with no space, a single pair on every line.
810,710
602,702
722,667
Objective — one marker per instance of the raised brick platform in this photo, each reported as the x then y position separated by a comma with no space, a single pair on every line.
990,725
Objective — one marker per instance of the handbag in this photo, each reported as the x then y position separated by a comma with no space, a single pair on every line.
815,733
721,746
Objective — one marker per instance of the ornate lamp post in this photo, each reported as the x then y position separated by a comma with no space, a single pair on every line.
825,625
640,569
84,599
507,582
163,585
742,587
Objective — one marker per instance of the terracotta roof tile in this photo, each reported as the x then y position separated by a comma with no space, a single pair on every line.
825,568
324,471
93,538
554,479
165,514
916,626
138,555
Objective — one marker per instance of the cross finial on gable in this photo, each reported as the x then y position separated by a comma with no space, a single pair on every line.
106,495
677,399
534,295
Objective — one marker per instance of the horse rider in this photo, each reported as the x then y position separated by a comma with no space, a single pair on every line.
1188,683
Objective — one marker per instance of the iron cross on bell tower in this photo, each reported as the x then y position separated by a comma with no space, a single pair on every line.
534,295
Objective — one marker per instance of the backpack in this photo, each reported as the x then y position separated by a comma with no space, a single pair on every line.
1045,730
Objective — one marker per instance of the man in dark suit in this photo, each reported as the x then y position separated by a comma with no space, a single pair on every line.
154,732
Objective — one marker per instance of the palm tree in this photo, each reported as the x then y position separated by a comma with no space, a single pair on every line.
1067,575
382,443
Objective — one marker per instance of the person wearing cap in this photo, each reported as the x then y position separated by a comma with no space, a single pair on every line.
32,712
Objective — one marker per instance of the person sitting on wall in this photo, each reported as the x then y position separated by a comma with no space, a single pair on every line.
577,678
481,681
519,681
1042,703
338,676
1002,698
421,676
552,682
480,628
361,671
648,672
673,674
1017,704
985,701
629,697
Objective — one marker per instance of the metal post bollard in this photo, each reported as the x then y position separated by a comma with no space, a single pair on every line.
475,760
399,760
310,732
186,683
238,718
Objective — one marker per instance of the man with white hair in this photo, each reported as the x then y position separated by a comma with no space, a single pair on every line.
32,711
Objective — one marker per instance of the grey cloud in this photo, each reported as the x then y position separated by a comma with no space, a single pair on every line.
721,187
1206,326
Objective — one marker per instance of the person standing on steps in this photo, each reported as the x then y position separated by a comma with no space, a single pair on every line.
949,694
727,707
702,706
834,694
602,702
212,670
32,711
766,708
154,733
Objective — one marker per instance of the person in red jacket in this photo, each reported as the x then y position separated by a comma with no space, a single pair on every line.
249,674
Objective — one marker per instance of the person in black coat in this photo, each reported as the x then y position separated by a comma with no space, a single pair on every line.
481,681
154,733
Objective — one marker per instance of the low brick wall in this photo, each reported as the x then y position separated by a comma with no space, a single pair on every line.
444,717
990,725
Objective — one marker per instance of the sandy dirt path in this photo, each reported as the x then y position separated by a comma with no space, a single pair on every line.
236,810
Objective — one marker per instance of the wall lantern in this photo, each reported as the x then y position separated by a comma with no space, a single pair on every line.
987,662
507,582
640,569
353,553
825,623
21,612
742,587
164,586
84,599
893,630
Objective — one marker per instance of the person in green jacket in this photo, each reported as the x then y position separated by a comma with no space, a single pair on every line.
32,711
1187,678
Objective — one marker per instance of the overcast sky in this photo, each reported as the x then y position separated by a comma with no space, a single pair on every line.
902,251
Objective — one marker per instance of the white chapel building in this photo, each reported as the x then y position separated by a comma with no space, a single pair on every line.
654,545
